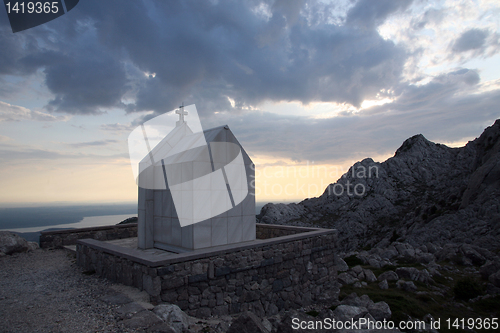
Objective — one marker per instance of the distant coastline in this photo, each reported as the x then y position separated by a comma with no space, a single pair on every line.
45,216
27,222
86,222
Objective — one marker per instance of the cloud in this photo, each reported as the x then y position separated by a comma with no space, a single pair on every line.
85,85
4,138
92,143
12,153
447,109
471,39
436,92
117,127
205,52
430,16
19,154
9,112
369,14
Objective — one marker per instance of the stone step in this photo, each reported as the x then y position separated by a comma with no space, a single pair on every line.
70,248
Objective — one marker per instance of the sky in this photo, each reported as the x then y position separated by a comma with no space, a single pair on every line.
307,87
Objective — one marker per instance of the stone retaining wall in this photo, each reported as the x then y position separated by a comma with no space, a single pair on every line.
263,276
265,231
60,238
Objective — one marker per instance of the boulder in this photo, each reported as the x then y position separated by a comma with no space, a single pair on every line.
448,252
346,278
389,253
353,299
346,312
129,310
267,324
425,258
472,255
340,265
411,273
431,248
359,284
424,276
406,285
380,311
383,285
389,276
490,267
369,276
32,246
405,251
12,243
492,290
465,254
247,322
357,269
495,279
173,316
285,325
142,319
423,249
375,263
363,328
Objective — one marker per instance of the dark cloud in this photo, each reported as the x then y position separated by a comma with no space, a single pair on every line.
83,76
85,85
472,39
275,60
369,14
204,52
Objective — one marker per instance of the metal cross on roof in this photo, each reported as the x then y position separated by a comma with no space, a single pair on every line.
181,113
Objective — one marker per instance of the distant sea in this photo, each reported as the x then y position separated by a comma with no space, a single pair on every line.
27,222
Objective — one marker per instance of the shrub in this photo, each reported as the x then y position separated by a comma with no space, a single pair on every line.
467,288
313,313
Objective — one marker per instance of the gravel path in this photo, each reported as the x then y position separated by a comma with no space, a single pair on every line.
44,291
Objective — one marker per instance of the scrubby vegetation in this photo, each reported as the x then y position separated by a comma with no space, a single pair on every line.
467,288
449,297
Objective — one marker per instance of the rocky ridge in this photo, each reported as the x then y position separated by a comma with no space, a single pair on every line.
426,193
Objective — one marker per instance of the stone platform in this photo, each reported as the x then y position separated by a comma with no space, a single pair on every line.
285,267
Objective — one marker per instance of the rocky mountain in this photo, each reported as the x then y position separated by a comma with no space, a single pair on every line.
427,193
